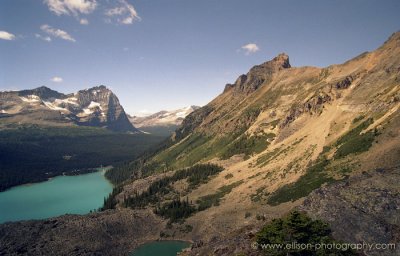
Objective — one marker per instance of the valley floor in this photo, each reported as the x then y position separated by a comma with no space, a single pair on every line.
356,204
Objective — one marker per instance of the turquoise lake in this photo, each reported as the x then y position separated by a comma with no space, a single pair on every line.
60,195
161,248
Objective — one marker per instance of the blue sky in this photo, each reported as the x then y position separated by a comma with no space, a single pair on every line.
159,54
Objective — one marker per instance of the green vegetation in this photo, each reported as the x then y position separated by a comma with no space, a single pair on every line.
259,194
265,158
295,229
195,176
314,177
317,174
176,210
110,201
34,154
357,119
172,157
271,124
354,142
208,201
229,176
247,145
354,132
122,172
186,229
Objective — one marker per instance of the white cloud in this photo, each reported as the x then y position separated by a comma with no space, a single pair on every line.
125,13
57,33
71,7
250,48
6,36
56,79
84,21
45,38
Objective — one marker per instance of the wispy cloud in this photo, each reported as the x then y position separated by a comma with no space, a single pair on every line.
56,79
124,13
250,48
71,7
44,38
6,35
84,21
57,33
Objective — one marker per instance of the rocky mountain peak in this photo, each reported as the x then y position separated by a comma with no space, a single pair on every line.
96,106
259,75
394,40
281,61
43,92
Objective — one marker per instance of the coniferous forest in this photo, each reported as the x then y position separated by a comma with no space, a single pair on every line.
33,154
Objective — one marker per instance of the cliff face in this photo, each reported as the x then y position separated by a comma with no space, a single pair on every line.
97,106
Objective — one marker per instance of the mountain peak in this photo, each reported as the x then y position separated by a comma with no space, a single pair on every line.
259,74
282,59
42,88
393,39
42,92
101,87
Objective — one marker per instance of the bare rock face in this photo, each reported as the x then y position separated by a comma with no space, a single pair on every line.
260,74
97,106
365,208
193,120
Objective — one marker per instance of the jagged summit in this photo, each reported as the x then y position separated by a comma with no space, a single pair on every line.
96,106
281,61
259,74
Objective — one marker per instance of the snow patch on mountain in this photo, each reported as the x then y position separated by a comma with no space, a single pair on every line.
30,98
163,118
53,106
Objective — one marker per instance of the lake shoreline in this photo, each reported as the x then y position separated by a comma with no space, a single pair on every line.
78,194
76,173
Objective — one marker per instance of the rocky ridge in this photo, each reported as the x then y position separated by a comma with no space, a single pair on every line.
97,106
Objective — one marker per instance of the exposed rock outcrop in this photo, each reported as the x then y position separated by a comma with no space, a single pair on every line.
97,106
114,232
365,208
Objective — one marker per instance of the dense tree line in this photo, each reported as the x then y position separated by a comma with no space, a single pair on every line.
195,175
110,201
34,154
138,166
176,210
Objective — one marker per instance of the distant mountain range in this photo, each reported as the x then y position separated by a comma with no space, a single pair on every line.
97,107
163,122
